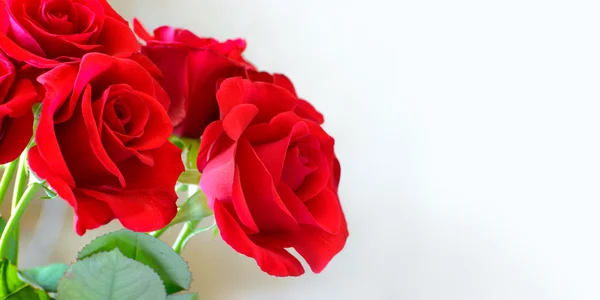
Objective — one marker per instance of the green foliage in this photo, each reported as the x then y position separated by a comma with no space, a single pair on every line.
110,275
13,288
12,244
190,177
193,296
190,149
152,252
46,277
195,208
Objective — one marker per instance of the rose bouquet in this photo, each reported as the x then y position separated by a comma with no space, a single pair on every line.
121,122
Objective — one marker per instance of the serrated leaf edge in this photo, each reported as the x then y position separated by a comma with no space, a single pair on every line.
105,252
77,259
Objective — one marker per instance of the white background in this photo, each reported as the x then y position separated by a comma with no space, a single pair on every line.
468,133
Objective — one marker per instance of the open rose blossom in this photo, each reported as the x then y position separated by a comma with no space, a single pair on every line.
17,96
271,176
192,67
44,33
102,143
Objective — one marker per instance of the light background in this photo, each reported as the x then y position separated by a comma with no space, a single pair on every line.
468,133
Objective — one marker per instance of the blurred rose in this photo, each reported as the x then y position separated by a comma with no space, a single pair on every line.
192,67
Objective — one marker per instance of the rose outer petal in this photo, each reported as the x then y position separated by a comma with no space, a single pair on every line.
274,261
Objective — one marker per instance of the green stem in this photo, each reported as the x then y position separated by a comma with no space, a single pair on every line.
15,217
7,178
21,181
188,228
18,191
159,232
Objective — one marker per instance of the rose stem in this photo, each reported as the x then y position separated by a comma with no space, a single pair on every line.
18,190
159,232
15,217
188,228
21,181
7,178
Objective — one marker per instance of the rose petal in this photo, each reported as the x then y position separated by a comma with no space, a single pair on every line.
94,139
173,63
266,207
16,133
236,121
268,98
141,32
205,69
240,204
218,175
90,213
318,247
148,202
127,42
58,83
276,262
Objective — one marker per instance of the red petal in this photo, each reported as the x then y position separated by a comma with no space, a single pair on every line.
319,247
236,121
41,168
209,137
148,202
116,37
173,64
17,52
16,136
240,205
218,175
276,262
90,213
94,138
284,82
139,29
58,83
268,210
205,69
270,99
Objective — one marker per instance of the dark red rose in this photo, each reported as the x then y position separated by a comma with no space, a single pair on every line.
44,33
271,177
192,67
17,96
102,143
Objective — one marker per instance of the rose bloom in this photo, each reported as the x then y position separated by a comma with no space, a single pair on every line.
191,68
44,33
18,93
271,177
102,143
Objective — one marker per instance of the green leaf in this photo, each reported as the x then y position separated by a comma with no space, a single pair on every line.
175,140
196,232
193,296
110,275
49,193
11,286
13,246
190,177
152,252
195,208
215,232
192,155
45,277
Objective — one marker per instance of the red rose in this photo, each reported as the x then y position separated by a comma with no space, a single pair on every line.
271,177
192,67
102,143
17,96
45,32
303,108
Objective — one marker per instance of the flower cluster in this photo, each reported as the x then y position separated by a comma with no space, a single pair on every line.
95,106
